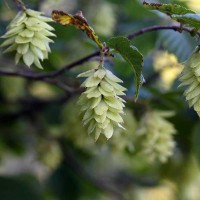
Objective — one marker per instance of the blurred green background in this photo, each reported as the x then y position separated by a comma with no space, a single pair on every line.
46,154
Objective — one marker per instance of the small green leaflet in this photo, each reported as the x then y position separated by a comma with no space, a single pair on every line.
168,9
179,13
131,54
192,20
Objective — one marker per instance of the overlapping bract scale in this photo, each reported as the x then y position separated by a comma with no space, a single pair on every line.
100,103
28,34
155,135
190,77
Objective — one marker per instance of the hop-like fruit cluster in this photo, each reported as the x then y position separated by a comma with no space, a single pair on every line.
101,103
155,134
27,34
190,77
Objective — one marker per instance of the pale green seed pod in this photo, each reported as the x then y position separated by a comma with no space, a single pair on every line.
28,34
100,103
190,77
155,135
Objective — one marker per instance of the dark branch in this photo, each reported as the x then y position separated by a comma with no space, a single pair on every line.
68,67
42,76
157,28
63,86
49,76
34,76
20,4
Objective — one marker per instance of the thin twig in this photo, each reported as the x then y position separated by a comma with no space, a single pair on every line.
157,28
63,86
20,4
34,76
51,75
41,76
68,67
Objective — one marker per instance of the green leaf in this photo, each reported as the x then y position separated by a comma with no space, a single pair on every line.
131,54
192,20
168,9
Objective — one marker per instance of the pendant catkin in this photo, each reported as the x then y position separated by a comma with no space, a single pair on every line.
27,34
190,77
155,136
100,103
